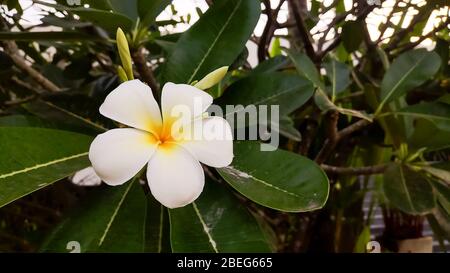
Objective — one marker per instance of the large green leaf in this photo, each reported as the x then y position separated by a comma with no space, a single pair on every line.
33,158
215,222
436,112
427,135
276,88
408,71
214,41
408,190
306,67
112,219
278,179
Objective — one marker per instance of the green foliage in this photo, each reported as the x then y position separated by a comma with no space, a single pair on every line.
215,223
39,158
283,180
368,115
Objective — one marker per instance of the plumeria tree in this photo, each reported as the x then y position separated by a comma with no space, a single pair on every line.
250,131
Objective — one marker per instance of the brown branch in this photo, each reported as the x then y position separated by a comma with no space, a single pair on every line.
426,36
12,50
269,29
10,47
20,101
305,35
398,37
388,20
334,138
145,72
368,170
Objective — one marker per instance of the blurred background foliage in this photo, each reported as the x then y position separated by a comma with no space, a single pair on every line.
363,89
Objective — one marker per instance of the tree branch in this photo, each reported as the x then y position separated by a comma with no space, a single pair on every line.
303,30
368,170
145,72
10,47
334,138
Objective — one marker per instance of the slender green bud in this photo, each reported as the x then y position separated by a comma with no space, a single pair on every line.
124,53
122,74
212,78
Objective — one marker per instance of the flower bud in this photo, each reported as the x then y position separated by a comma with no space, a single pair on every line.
122,74
212,78
124,53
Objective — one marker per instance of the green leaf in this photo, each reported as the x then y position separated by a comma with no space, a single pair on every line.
408,190
352,35
215,40
271,65
363,239
150,9
278,179
443,194
436,112
33,158
99,16
325,104
408,71
427,135
105,19
306,67
339,76
157,228
275,49
62,118
112,219
215,222
288,91
128,8
440,171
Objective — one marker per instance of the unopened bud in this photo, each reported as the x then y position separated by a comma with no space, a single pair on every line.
212,78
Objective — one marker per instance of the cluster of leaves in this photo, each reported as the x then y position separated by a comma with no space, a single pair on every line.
392,108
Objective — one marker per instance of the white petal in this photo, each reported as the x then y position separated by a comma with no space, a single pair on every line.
210,140
86,177
183,96
132,104
174,176
119,154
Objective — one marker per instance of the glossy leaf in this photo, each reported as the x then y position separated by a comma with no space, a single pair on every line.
427,135
215,40
436,112
408,71
278,179
112,219
216,222
408,190
33,158
306,67
288,91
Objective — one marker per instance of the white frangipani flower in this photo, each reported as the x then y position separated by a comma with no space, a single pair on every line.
174,174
